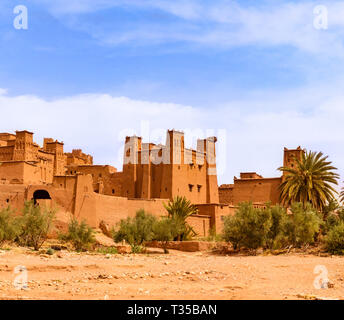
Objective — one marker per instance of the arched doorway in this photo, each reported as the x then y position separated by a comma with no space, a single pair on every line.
41,197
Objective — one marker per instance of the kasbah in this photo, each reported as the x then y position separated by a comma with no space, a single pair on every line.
151,176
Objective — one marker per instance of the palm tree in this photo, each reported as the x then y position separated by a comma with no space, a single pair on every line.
179,209
341,197
311,180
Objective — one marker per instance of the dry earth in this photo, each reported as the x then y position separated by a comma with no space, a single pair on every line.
179,275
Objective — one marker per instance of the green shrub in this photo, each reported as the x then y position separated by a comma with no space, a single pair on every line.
50,251
8,227
276,237
136,231
34,225
331,221
303,225
213,236
166,230
107,250
334,240
248,228
80,235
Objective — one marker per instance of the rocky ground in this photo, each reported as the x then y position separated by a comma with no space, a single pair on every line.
178,275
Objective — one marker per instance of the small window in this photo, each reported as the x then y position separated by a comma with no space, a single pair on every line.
199,187
113,191
100,175
200,167
190,187
7,200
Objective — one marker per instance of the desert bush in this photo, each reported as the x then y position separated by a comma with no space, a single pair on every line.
34,225
331,221
50,251
107,250
334,240
135,231
166,230
303,224
80,235
276,236
213,236
248,228
8,227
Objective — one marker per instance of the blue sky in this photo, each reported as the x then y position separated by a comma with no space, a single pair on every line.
89,71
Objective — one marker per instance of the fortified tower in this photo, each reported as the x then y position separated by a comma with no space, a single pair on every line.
25,149
130,164
208,147
290,157
56,148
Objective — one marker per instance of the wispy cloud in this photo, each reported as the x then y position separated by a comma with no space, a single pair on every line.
220,23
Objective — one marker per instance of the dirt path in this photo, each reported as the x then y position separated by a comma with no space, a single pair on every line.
174,276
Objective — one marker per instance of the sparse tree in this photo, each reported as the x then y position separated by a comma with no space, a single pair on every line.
8,226
80,235
166,230
303,225
34,225
248,228
135,231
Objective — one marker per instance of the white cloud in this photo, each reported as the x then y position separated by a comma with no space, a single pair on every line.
255,138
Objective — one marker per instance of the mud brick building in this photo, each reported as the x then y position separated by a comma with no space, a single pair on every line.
253,187
151,175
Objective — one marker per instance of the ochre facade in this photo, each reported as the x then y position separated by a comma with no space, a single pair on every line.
151,176
256,189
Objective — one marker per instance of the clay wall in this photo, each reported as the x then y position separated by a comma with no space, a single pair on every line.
256,190
226,194
200,224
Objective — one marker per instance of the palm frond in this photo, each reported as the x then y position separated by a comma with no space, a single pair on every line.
312,180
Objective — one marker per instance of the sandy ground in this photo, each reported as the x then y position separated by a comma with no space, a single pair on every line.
178,275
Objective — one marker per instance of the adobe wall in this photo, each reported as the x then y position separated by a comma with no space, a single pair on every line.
217,213
113,209
19,172
13,196
226,194
61,198
200,224
256,190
